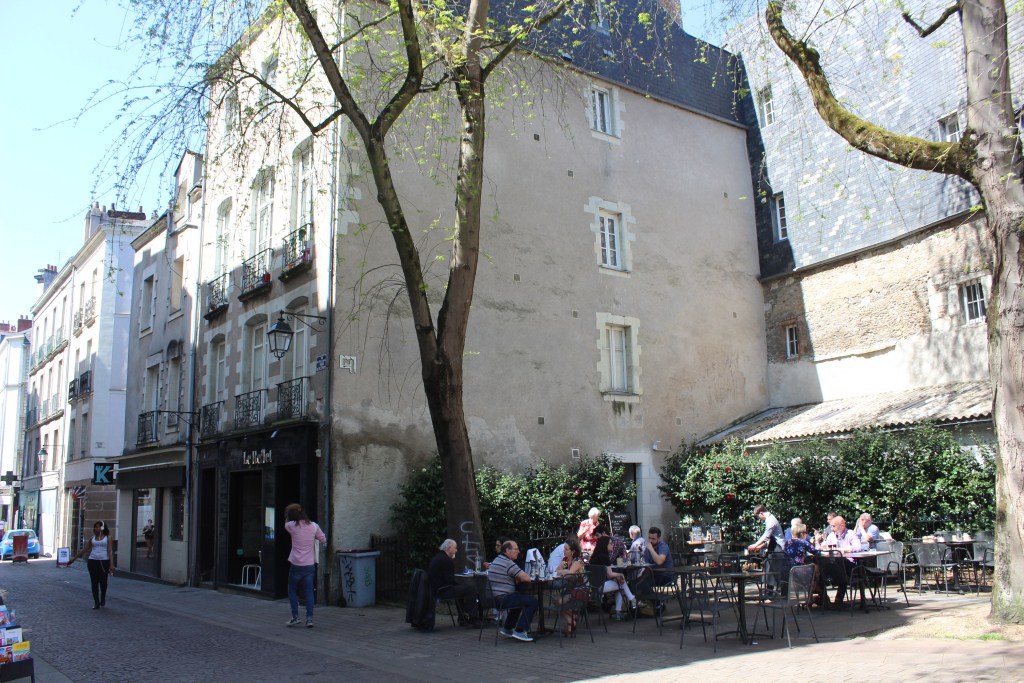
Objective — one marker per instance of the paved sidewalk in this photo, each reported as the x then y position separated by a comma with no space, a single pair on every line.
374,643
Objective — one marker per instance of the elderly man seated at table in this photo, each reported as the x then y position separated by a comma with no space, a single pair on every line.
505,576
637,541
441,578
840,538
867,532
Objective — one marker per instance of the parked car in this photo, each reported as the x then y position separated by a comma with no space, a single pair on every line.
7,544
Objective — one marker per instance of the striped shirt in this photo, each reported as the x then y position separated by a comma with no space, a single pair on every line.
502,575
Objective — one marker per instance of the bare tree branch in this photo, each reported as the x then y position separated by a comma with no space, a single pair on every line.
545,19
927,31
906,150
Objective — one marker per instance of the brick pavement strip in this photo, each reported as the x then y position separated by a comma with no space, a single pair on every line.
155,632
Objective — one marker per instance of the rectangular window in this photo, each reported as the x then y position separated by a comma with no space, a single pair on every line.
792,342
619,366
71,439
258,357
151,400
146,301
779,218
299,351
601,101
949,128
231,110
610,240
218,372
223,237
304,186
173,392
177,272
262,229
765,106
269,75
972,301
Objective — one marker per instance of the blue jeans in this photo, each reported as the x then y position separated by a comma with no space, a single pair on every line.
525,605
301,574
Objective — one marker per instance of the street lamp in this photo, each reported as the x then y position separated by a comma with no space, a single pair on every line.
279,336
42,458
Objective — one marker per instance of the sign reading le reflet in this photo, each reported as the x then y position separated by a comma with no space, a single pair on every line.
102,474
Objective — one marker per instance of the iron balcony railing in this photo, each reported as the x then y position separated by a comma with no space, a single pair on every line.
32,416
217,292
55,403
90,310
297,248
85,383
44,410
147,427
72,390
256,271
291,399
77,321
210,422
249,409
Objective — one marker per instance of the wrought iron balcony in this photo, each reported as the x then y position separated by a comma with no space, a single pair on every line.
85,383
291,399
298,251
249,409
210,423
147,427
72,390
90,310
256,273
55,403
77,321
31,416
217,295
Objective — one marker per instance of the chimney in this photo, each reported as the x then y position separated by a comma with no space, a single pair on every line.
24,323
45,278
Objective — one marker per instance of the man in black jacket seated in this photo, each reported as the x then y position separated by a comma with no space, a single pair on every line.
441,577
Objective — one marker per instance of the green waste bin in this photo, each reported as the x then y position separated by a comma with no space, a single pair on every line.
358,572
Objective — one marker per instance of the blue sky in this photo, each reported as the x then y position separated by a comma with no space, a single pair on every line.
55,57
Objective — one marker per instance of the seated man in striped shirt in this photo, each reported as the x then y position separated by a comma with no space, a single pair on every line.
504,575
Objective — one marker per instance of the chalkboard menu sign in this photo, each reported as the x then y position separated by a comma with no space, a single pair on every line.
621,521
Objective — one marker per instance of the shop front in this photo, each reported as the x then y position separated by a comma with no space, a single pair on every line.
243,485
152,538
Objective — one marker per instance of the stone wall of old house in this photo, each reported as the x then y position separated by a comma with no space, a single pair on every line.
884,319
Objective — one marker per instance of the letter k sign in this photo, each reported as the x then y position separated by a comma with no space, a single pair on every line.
102,474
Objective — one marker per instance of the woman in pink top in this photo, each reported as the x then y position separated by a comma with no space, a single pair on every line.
302,559
588,539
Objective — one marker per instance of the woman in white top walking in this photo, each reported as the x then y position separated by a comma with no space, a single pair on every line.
100,559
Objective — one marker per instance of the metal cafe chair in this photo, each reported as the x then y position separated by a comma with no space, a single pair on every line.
707,595
798,596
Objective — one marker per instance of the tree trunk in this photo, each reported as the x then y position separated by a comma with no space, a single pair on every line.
997,171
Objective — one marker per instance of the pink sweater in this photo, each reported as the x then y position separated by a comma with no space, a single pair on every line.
302,554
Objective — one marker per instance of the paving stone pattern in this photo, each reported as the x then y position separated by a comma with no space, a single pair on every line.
154,632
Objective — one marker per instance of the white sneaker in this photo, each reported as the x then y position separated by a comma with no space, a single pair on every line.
523,636
506,632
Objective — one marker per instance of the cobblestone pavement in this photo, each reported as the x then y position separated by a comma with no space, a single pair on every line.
154,632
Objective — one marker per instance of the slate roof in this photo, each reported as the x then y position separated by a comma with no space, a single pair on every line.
946,404
653,56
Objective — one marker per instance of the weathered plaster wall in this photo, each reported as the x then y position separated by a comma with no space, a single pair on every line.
884,320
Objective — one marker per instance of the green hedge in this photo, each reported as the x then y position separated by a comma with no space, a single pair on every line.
544,500
909,481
